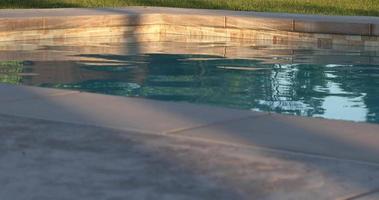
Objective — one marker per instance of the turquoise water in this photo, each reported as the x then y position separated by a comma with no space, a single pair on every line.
348,91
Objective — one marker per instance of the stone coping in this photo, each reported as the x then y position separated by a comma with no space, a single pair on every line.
47,19
335,139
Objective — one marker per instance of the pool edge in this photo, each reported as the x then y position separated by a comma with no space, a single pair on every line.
28,24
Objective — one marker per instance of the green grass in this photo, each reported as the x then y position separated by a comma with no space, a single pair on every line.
326,7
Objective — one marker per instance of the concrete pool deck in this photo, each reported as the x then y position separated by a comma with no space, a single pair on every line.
95,146
62,144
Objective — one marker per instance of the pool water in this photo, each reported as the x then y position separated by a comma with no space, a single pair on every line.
334,88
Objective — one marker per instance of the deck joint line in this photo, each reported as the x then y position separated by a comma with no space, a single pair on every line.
225,21
371,29
177,131
365,194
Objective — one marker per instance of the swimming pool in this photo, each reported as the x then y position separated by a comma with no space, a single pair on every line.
298,80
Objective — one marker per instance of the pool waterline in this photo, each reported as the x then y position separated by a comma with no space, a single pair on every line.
302,84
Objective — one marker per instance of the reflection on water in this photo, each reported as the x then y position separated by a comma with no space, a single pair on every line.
330,90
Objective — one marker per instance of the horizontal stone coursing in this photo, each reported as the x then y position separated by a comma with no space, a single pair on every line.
66,23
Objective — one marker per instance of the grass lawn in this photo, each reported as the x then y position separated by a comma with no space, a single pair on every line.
327,7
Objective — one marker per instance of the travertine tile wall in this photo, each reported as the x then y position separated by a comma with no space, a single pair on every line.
190,26
228,25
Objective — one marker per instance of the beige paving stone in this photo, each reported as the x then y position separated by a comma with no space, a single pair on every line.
193,20
67,22
119,112
88,21
348,140
257,23
332,27
23,24
101,21
191,31
79,32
